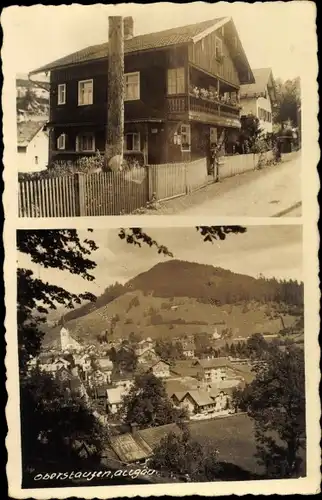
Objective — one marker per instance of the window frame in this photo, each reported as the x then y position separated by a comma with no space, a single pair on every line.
63,147
187,126
61,86
218,56
176,70
78,140
139,142
88,80
127,99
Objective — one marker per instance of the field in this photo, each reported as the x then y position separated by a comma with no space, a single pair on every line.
233,437
157,317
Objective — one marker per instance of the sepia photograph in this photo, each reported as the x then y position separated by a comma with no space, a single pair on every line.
159,110
161,355
148,352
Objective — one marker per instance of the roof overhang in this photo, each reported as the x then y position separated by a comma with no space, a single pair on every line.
238,54
210,30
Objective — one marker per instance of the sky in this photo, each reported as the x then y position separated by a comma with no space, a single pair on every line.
274,251
273,34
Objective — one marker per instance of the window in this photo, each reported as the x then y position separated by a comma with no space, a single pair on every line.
61,141
62,93
85,92
185,138
132,142
218,48
85,142
132,86
36,160
176,81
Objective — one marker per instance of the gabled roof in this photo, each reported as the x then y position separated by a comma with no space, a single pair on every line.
128,449
173,36
154,435
202,398
212,363
141,444
28,130
263,80
191,33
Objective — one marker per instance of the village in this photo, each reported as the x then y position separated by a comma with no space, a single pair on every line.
210,118
201,386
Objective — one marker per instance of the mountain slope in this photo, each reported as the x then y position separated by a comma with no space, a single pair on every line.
178,298
205,283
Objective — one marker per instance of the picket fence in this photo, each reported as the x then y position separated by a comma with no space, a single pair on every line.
108,193
238,164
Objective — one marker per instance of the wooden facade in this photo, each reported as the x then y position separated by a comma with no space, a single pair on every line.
156,117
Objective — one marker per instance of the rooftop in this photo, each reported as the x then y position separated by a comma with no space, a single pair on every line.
191,33
28,130
263,79
132,447
212,363
165,38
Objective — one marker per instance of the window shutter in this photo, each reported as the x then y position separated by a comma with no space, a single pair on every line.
77,143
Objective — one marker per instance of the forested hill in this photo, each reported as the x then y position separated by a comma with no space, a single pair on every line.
207,284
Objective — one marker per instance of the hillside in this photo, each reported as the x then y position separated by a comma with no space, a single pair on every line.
203,298
205,283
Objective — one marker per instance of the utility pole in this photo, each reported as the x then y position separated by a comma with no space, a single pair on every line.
115,96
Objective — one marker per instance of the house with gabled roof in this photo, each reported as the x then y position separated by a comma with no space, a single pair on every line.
138,446
259,98
159,368
32,146
181,93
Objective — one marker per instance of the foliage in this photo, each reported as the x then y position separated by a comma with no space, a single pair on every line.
52,422
124,360
56,249
147,404
183,457
169,351
288,96
275,400
110,293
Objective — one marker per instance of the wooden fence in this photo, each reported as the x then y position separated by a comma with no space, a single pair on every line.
116,193
238,164
102,193
171,180
196,174
167,181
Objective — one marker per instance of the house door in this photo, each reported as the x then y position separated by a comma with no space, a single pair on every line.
155,144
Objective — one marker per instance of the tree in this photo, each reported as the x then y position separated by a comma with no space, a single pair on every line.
57,249
256,345
29,101
184,457
250,132
148,405
115,103
169,351
275,400
52,421
288,96
124,360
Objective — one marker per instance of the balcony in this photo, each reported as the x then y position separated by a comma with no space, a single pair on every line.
203,108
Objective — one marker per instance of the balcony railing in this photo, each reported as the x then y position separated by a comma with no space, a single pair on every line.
178,103
183,103
204,105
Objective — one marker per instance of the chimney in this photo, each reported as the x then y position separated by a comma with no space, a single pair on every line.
134,427
128,27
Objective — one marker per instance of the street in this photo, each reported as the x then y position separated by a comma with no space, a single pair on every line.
272,191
